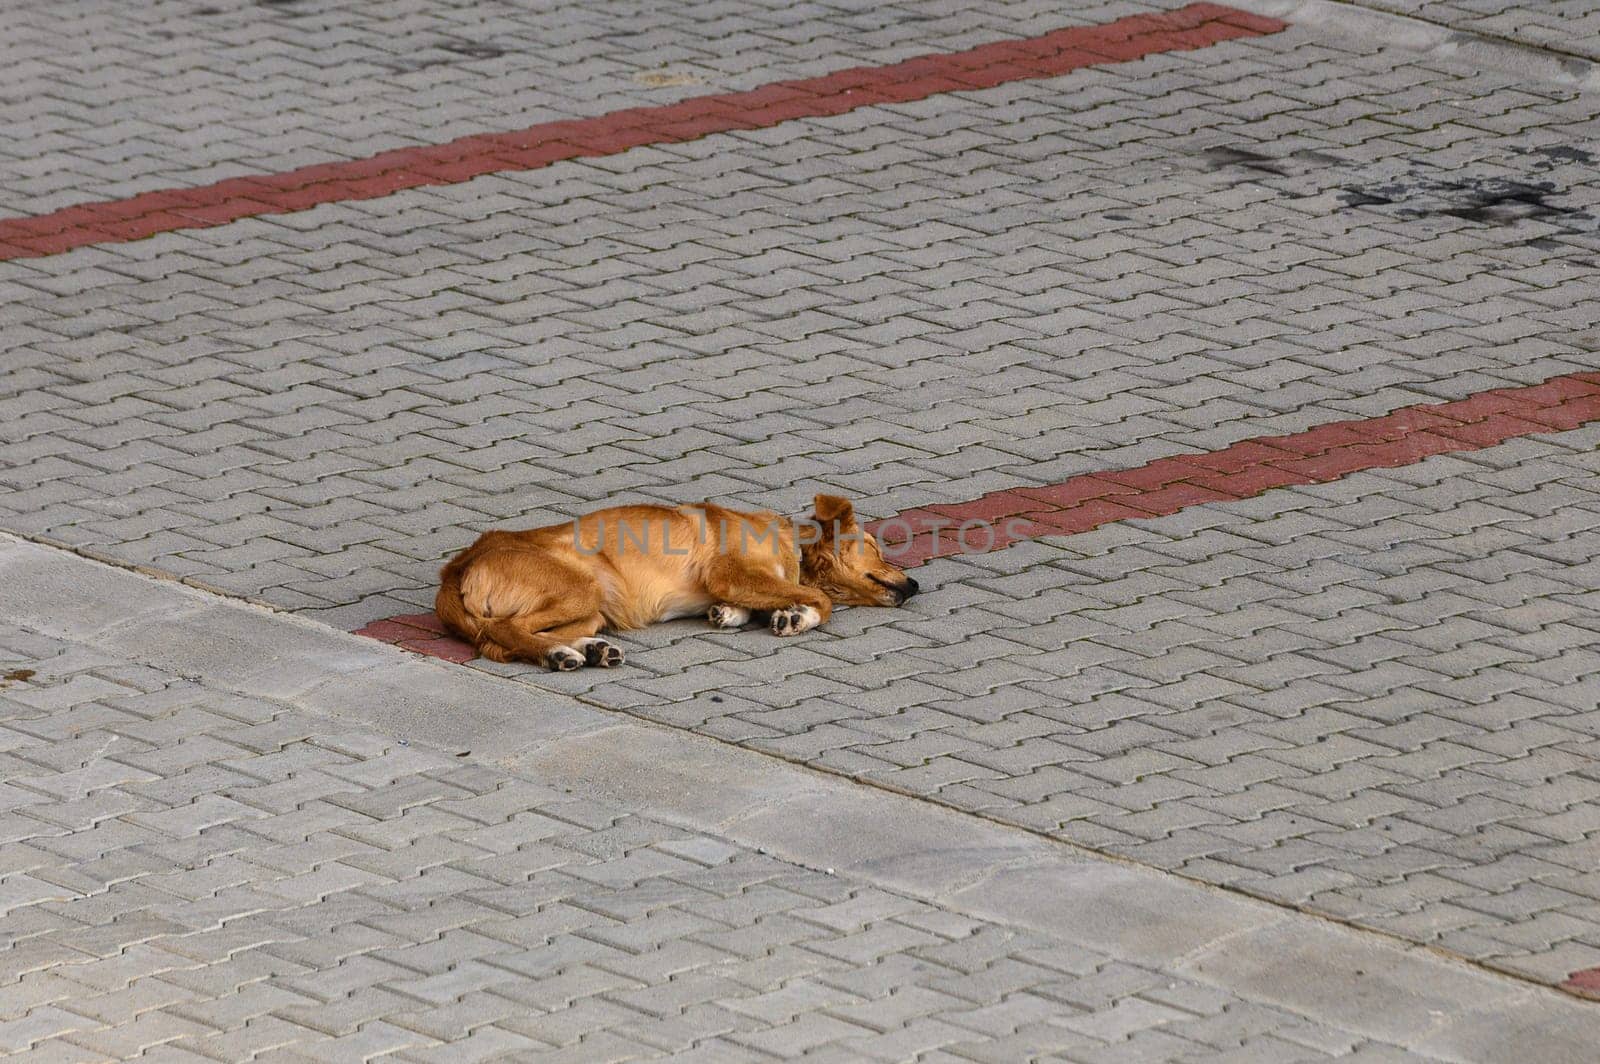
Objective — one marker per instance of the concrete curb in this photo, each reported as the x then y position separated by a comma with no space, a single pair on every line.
1355,980
1432,39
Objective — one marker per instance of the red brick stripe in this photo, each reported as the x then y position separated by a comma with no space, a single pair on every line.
1167,485
1584,983
119,221
420,633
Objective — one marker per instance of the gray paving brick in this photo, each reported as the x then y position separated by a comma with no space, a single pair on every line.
408,952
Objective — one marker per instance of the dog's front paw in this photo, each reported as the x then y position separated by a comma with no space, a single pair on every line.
599,653
563,659
723,615
792,620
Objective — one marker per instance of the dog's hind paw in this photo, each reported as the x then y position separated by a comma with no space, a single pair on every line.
563,659
792,620
599,653
723,615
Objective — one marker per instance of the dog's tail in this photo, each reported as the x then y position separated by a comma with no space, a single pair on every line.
449,607
510,629
461,620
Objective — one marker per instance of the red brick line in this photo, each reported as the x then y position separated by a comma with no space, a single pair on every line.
1248,468
1167,485
1584,983
420,633
118,221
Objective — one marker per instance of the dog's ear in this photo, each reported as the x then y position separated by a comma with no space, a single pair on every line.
834,511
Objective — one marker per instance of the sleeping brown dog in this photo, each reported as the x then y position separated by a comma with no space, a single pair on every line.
545,594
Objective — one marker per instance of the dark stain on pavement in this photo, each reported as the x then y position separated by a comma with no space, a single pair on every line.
1290,164
16,676
1499,202
1495,199
1485,200
1424,191
443,53
1249,160
1558,154
474,50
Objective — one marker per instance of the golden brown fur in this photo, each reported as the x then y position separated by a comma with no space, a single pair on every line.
545,594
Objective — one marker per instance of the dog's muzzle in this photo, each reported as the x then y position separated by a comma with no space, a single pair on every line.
901,591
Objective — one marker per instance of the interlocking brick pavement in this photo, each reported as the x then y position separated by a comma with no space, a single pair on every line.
1371,698
199,875
236,88
314,409
839,92
1168,485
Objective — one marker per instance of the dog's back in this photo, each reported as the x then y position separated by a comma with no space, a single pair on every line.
519,594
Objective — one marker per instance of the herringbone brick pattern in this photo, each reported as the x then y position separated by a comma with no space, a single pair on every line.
194,875
1373,698
546,143
912,306
235,88
1166,486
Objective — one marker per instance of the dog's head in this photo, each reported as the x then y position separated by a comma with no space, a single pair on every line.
844,562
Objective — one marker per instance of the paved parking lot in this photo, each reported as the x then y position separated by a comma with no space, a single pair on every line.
231,835
1366,694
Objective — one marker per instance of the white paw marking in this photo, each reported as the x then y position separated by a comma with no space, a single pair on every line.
563,659
792,620
725,616
599,652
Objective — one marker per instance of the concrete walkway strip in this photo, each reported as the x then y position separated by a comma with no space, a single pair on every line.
1354,979
1433,40
986,66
